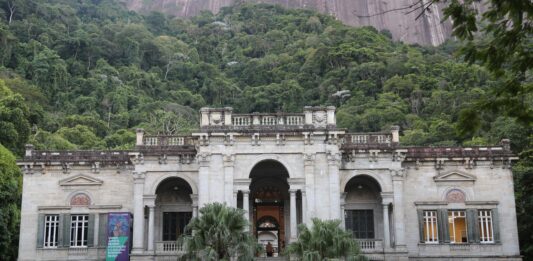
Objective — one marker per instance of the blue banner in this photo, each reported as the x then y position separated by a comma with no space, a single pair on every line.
118,236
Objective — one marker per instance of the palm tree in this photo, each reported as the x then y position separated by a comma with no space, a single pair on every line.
219,233
325,240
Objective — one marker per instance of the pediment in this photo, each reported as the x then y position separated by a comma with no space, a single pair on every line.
81,180
455,176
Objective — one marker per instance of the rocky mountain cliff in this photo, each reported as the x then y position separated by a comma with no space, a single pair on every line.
382,14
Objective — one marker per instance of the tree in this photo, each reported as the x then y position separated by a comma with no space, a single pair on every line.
325,240
500,41
14,125
219,233
10,192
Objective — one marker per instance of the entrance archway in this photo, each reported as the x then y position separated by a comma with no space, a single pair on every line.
173,208
269,198
363,210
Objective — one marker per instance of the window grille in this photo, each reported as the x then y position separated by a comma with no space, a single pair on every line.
430,227
79,228
486,234
51,231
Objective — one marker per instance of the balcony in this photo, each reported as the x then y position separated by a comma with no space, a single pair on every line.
370,245
168,248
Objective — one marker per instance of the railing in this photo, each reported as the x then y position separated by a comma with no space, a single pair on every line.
370,245
167,140
168,247
368,138
285,119
79,155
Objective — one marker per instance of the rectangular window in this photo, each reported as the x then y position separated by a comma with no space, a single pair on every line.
430,226
174,224
486,235
51,231
79,228
362,223
457,227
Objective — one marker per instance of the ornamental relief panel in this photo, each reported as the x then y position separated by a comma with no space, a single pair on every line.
455,196
80,199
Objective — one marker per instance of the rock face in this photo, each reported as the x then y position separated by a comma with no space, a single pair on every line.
392,15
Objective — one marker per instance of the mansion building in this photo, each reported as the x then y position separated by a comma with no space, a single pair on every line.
282,169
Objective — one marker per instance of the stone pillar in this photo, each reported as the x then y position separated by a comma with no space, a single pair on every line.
334,185
387,199
386,229
246,205
309,171
151,230
203,179
343,204
204,118
399,222
228,179
138,212
292,215
331,120
139,138
395,130
304,207
234,204
194,198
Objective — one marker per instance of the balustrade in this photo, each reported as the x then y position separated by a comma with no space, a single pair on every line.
168,247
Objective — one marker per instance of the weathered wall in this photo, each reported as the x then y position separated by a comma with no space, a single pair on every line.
426,30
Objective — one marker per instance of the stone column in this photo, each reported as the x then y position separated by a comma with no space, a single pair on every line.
397,183
293,215
203,179
151,230
246,205
343,204
138,212
309,171
194,198
386,230
304,207
386,201
334,185
234,202
228,179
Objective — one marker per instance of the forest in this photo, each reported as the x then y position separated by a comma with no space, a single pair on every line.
86,74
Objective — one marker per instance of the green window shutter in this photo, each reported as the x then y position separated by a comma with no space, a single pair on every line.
90,229
102,230
60,230
420,213
442,223
40,230
496,225
472,226
66,230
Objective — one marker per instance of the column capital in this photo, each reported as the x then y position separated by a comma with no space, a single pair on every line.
194,199
149,200
309,159
229,160
293,191
398,174
203,159
245,191
334,158
138,177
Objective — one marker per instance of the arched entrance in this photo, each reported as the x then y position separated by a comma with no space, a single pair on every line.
173,208
363,210
269,196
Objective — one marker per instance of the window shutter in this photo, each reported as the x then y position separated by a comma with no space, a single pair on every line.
90,229
102,230
442,223
496,225
66,230
60,230
472,226
420,213
40,230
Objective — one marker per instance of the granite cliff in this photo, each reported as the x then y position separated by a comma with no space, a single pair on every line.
382,14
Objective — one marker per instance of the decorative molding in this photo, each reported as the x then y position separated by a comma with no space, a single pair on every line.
454,176
81,180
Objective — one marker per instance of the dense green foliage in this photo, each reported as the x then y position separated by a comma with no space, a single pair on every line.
10,192
85,74
219,233
325,240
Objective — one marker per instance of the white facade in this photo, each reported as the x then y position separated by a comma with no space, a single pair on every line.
282,169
